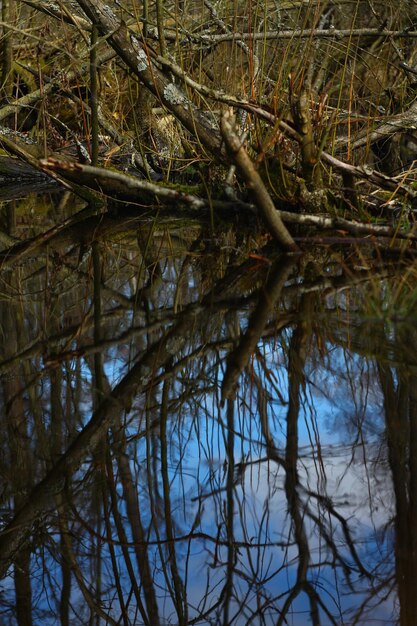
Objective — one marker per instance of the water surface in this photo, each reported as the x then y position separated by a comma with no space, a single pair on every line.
200,430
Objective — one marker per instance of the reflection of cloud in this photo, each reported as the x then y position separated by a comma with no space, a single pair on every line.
341,490
344,498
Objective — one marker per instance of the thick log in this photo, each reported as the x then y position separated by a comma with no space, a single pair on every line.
140,58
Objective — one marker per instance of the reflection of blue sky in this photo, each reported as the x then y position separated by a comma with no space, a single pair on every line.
337,399
261,500
345,471
340,429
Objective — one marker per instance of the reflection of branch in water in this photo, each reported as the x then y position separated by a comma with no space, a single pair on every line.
40,500
193,377
87,594
226,593
121,533
239,358
296,507
217,540
177,587
271,448
324,501
119,451
238,477
296,363
327,504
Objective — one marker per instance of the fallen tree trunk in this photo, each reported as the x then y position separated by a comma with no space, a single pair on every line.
140,58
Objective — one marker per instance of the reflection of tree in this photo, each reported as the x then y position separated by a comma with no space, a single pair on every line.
399,389
389,339
296,363
300,510
20,464
150,614
178,592
166,505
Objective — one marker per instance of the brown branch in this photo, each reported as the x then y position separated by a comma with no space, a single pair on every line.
339,223
302,121
61,13
253,180
406,121
372,176
52,86
114,183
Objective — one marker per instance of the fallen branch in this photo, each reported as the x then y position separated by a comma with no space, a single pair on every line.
253,180
61,13
400,123
135,190
355,228
116,184
372,176
315,33
29,153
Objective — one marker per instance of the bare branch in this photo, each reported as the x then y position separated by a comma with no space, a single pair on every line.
254,181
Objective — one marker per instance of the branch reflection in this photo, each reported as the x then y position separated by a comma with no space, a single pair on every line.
234,454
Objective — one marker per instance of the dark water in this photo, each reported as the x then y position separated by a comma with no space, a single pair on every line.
197,430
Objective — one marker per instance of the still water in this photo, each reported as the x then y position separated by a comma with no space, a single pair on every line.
198,430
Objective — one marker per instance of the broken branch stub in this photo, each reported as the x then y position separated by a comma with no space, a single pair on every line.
263,200
302,120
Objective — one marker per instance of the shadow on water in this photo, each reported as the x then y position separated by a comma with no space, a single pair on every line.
199,430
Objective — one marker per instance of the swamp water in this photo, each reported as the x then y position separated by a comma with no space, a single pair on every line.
197,430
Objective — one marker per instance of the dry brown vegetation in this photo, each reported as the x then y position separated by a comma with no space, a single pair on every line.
322,96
